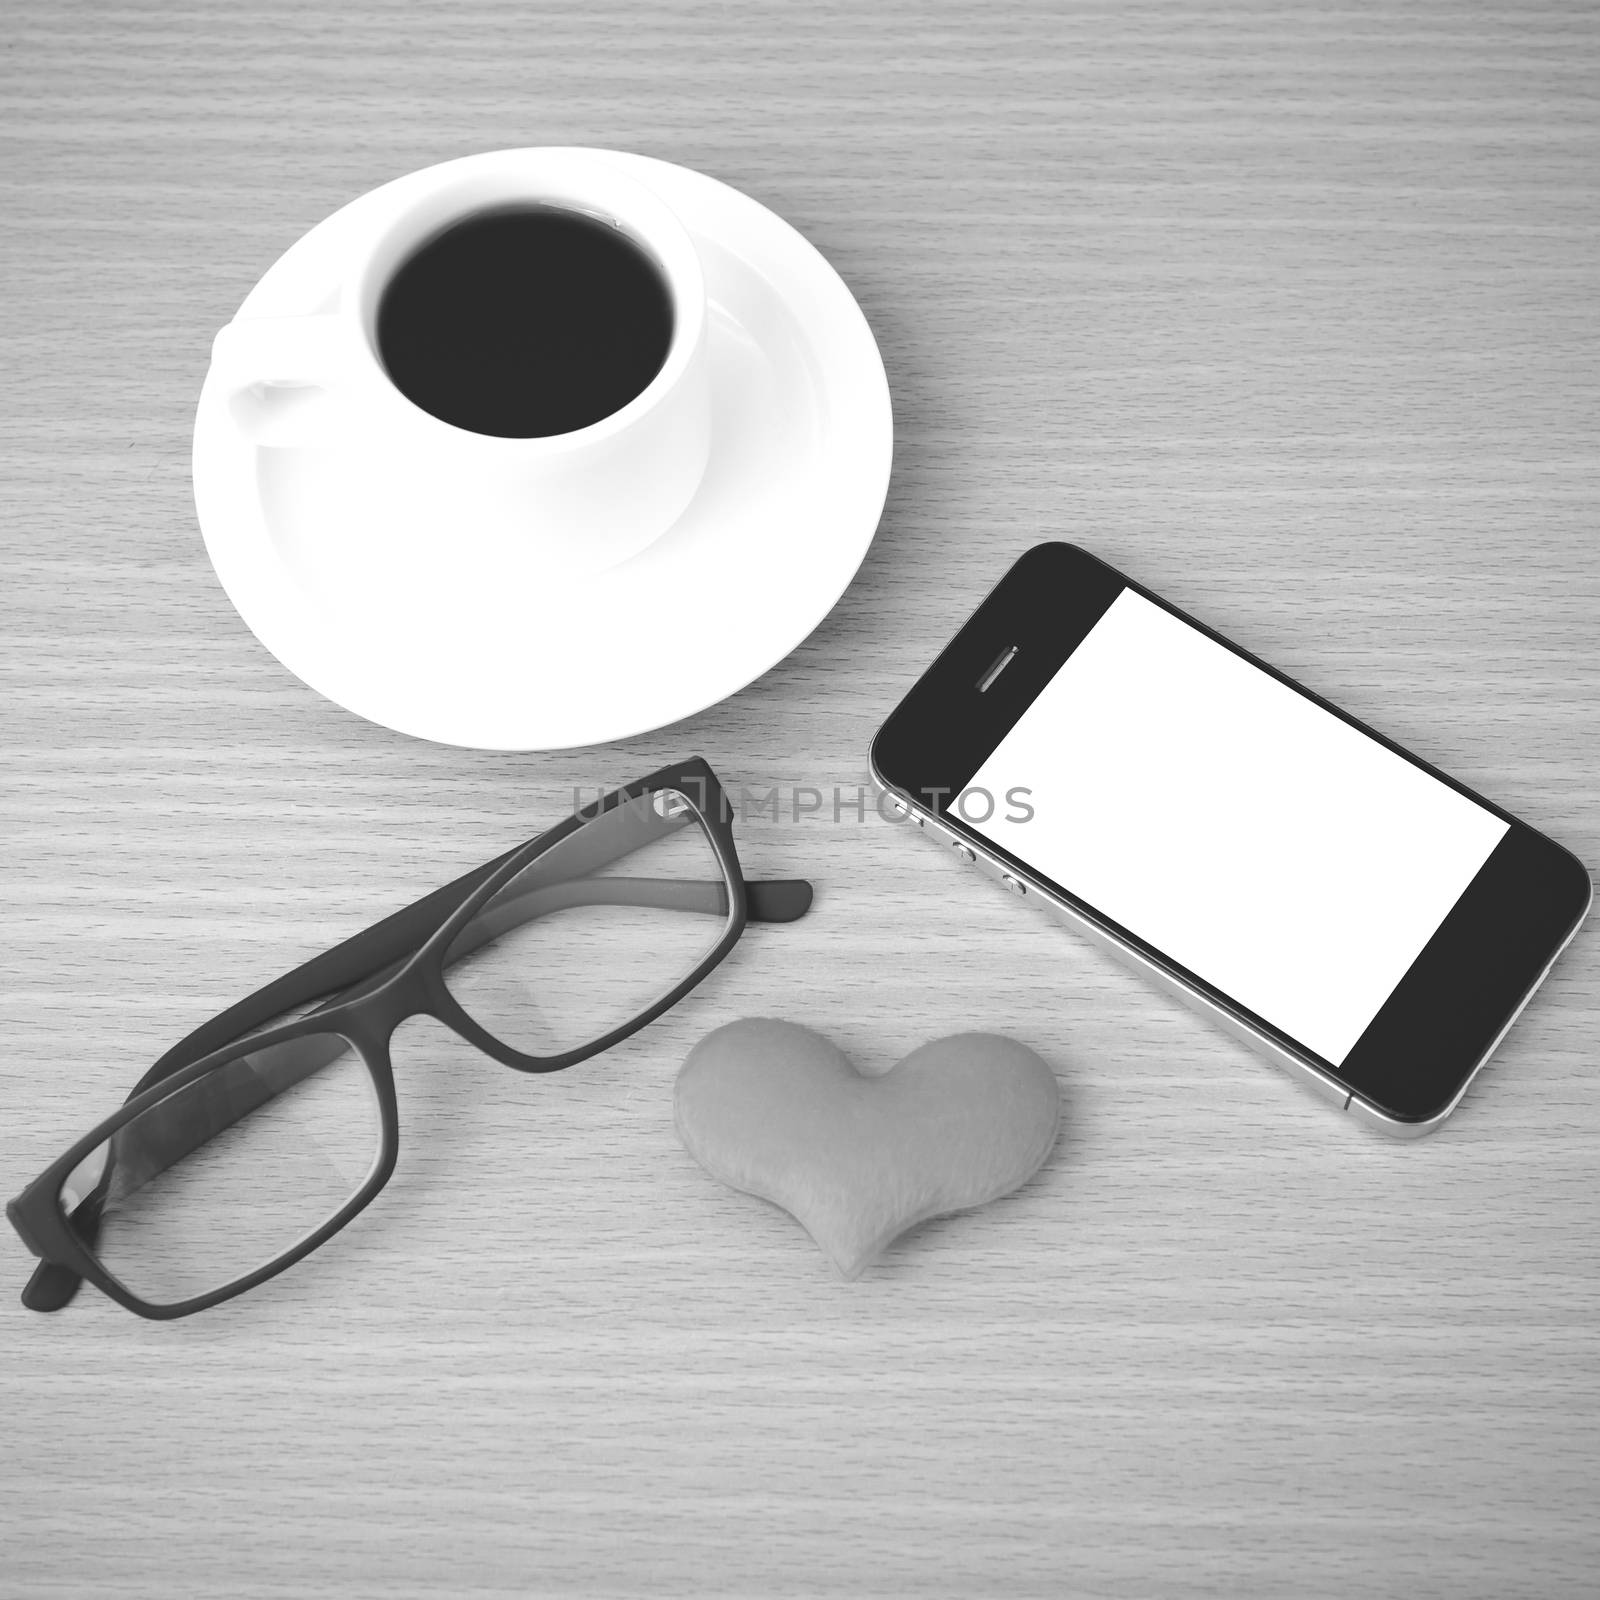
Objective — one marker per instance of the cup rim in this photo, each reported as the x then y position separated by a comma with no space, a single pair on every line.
646,220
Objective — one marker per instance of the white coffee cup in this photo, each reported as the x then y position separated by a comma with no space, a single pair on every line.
446,504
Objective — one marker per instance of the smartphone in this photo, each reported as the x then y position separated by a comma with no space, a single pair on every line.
1359,916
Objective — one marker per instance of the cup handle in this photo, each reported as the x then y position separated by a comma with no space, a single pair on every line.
284,379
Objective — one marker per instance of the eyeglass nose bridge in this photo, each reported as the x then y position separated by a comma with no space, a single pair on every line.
380,1004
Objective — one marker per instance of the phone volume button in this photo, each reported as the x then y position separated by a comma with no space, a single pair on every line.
1015,885
964,852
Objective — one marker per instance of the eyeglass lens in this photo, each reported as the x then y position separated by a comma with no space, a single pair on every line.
595,930
229,1172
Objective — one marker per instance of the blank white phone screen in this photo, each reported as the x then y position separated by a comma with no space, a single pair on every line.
1273,850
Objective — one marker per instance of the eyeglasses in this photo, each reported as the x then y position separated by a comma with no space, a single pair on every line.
242,1150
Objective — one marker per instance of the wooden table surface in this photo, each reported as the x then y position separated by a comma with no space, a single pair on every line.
1292,312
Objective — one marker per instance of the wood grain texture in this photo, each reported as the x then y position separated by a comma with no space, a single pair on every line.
1292,312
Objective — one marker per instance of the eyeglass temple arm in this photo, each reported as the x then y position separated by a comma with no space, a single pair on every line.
781,901
372,953
224,1098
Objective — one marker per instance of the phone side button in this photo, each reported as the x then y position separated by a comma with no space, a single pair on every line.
964,852
902,810
1015,885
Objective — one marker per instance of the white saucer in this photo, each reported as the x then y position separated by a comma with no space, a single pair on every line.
800,457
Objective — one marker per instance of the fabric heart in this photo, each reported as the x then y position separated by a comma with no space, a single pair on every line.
778,1111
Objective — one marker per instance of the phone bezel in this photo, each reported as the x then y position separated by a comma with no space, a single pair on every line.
1457,999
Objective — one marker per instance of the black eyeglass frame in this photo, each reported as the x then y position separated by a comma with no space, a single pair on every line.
374,991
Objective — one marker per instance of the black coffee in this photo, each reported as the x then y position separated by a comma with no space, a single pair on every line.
525,323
